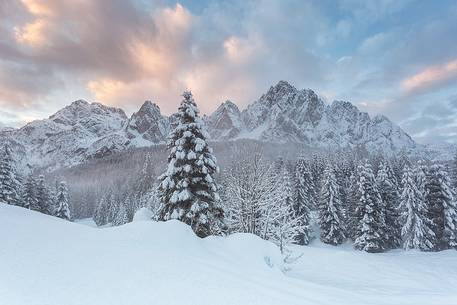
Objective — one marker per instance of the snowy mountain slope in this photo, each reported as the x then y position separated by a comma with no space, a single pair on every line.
147,125
284,114
225,123
67,136
45,260
82,131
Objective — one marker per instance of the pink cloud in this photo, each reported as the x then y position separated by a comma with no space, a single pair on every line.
431,76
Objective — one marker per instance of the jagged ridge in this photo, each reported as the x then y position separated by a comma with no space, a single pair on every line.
284,114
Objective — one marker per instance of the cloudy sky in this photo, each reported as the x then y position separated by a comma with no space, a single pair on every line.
393,57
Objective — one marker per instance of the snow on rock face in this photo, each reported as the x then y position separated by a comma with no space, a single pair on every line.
284,114
225,123
148,124
83,131
95,118
66,137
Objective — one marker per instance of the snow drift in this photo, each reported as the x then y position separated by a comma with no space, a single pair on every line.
45,260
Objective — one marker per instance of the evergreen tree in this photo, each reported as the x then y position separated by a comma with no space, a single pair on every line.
419,175
352,220
370,232
43,197
317,170
249,188
416,231
121,215
62,208
434,198
188,190
132,205
453,174
9,184
330,210
386,183
281,224
450,216
304,198
29,200
102,211
112,203
442,207
398,164
343,173
151,200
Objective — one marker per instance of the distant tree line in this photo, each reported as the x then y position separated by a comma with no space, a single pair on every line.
31,192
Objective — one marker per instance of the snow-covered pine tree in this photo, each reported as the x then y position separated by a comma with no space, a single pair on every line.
121,217
279,164
281,224
442,207
132,204
343,172
145,182
101,211
436,196
450,212
352,221
453,174
188,191
416,229
398,164
112,203
304,198
9,184
370,232
29,200
248,188
62,208
43,197
331,219
391,200
317,170
420,171
151,200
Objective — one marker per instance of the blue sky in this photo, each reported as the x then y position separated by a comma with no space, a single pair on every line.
398,58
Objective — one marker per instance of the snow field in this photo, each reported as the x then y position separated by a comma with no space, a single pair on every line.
46,261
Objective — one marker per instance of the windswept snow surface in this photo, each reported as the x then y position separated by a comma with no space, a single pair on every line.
47,261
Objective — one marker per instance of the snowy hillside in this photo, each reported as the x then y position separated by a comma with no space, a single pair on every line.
284,114
51,261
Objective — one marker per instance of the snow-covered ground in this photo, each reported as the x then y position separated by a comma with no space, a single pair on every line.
47,261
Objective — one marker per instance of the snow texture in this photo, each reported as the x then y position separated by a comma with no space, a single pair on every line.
145,263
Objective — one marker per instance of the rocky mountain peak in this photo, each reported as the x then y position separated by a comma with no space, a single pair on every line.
227,106
225,122
381,118
278,93
149,109
148,124
82,111
282,86
344,106
79,103
340,109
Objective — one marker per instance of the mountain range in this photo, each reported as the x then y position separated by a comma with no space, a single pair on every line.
284,114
